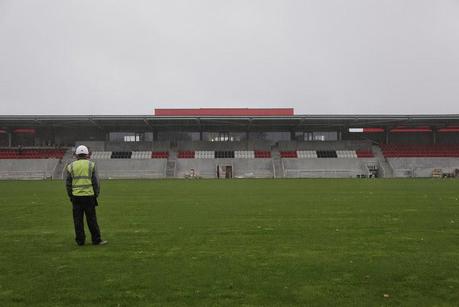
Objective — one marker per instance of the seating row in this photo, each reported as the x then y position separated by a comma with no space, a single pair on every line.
326,154
249,154
32,153
364,154
227,154
396,150
121,155
342,154
346,154
138,155
205,154
262,154
224,154
244,154
306,154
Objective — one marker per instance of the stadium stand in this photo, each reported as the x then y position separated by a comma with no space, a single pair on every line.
284,146
403,150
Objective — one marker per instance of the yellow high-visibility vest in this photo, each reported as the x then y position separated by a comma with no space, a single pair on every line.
81,172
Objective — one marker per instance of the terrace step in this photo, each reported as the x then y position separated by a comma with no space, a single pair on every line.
278,170
171,164
384,166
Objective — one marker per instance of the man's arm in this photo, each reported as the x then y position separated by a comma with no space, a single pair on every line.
95,182
68,183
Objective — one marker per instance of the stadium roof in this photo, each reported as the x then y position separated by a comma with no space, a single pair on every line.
151,122
226,112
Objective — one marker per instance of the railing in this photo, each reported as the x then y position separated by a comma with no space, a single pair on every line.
24,175
322,173
131,174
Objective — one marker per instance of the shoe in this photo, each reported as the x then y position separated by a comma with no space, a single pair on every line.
103,242
80,244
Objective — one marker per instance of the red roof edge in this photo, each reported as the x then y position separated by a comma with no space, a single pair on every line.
226,112
420,129
24,130
373,130
449,129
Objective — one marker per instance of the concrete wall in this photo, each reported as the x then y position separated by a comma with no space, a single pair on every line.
422,167
207,168
27,169
253,168
323,168
128,168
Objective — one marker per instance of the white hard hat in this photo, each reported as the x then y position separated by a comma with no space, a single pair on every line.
82,150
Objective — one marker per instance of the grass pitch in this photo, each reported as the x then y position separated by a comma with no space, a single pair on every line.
237,242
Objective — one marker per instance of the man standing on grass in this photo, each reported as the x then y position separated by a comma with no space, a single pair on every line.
83,189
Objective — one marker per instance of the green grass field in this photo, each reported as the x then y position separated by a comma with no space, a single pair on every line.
236,242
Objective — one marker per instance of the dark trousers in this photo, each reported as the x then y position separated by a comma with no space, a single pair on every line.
85,205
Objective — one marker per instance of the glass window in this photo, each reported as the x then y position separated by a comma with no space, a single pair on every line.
299,136
125,137
178,136
148,136
274,136
132,138
321,136
224,136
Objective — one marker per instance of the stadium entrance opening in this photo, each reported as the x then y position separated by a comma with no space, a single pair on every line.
228,172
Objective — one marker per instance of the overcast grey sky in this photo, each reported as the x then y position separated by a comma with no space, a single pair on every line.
318,56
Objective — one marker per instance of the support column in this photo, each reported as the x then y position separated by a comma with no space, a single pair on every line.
10,139
434,136
387,132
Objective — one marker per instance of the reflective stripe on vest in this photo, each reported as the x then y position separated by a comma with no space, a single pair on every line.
81,172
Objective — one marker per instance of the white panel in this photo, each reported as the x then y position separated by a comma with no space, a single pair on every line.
306,154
